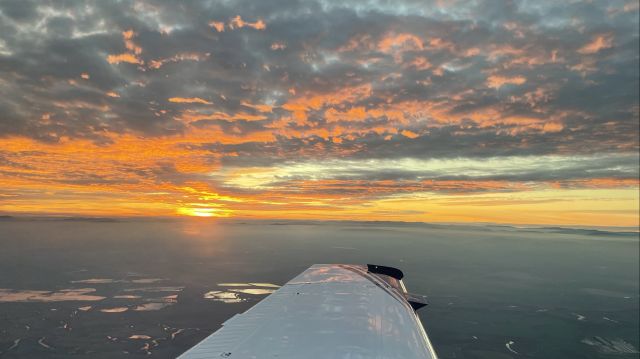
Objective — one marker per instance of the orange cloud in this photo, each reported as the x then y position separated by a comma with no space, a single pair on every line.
154,176
237,23
189,100
259,108
420,63
126,57
409,134
496,81
441,44
403,41
586,66
598,183
301,104
552,127
398,44
359,42
598,43
353,114
118,179
218,25
128,42
192,116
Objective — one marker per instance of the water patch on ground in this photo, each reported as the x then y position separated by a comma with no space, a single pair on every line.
509,346
81,294
111,280
114,310
15,344
95,281
151,306
224,297
139,336
43,344
254,291
126,296
579,316
155,289
232,295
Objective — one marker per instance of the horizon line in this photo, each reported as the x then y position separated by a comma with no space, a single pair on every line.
4,216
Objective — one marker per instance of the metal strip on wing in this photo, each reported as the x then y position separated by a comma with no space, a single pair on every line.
378,282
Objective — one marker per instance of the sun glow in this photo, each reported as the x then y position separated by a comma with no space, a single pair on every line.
203,212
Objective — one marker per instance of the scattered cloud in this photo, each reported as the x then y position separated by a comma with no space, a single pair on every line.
131,56
189,100
217,25
128,58
312,82
496,81
238,23
598,43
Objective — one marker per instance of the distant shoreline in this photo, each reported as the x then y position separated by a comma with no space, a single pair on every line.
615,230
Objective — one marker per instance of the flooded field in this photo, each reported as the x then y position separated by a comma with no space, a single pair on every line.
119,289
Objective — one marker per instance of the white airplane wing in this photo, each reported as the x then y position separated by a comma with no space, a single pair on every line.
336,311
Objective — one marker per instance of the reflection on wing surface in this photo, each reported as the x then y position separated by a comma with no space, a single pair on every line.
328,311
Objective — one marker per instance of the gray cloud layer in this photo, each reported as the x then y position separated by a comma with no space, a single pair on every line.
565,76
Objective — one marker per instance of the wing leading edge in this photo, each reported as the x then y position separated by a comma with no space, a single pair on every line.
328,311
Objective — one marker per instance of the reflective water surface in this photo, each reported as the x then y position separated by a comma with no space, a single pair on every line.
119,289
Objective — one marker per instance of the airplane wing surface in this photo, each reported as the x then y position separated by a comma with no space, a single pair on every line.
328,311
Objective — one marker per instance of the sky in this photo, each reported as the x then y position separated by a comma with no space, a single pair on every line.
438,111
